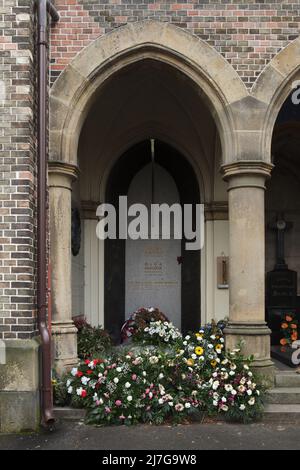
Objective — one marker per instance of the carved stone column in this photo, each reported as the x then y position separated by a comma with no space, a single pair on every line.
64,332
246,192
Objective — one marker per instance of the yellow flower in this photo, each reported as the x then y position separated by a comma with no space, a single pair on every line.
213,363
190,362
199,351
219,346
199,335
53,381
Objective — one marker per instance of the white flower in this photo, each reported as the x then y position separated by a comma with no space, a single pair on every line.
187,337
210,346
153,360
127,385
228,387
215,374
233,392
212,337
232,372
250,374
160,401
91,365
85,380
144,373
251,401
242,407
194,356
95,397
183,376
74,371
119,369
241,388
246,367
249,392
187,405
161,376
215,384
224,408
184,343
224,400
215,403
79,390
129,398
70,389
116,380
257,392
170,403
221,340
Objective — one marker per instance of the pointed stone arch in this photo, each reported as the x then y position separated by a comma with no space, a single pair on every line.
76,88
273,86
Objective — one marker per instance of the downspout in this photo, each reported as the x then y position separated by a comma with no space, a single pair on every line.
43,8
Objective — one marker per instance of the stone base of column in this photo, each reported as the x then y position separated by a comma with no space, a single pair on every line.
64,336
19,386
255,339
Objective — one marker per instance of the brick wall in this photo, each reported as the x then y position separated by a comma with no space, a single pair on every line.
247,33
17,167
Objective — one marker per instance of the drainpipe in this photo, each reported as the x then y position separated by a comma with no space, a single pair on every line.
43,8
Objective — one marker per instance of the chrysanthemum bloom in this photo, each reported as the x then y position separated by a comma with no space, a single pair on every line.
288,318
284,326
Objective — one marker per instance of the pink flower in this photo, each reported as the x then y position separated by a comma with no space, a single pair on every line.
122,417
147,390
134,377
118,402
107,410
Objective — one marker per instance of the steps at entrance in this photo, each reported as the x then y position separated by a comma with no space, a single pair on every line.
286,379
283,401
287,395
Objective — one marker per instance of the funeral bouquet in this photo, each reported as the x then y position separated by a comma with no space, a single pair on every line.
289,326
139,320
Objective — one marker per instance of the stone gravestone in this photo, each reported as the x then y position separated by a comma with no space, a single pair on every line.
152,270
281,293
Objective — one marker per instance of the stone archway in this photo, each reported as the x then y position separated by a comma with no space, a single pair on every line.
238,117
75,89
272,88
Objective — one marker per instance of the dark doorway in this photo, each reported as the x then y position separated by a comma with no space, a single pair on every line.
119,181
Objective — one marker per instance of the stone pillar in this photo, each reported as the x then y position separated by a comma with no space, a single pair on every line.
64,332
246,190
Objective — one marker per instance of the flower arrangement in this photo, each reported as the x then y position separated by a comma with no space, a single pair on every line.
289,326
232,389
162,384
139,320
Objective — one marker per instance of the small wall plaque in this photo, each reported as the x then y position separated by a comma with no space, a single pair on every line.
222,272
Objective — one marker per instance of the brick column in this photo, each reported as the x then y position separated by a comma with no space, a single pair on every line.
64,332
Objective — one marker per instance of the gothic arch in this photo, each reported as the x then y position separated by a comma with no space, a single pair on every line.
273,86
74,91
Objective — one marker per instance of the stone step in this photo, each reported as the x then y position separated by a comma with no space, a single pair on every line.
67,413
285,414
284,396
287,379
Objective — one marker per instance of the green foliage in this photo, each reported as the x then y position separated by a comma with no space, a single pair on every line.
92,341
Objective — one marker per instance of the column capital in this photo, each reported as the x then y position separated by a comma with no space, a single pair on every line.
62,174
246,173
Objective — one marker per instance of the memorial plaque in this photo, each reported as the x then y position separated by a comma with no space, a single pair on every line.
152,270
153,277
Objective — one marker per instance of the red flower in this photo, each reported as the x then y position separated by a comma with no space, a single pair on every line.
87,361
89,372
79,373
83,393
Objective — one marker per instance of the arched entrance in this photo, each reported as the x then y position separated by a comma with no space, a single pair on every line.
131,276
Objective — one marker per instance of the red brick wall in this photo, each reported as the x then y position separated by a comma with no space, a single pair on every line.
17,167
247,33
